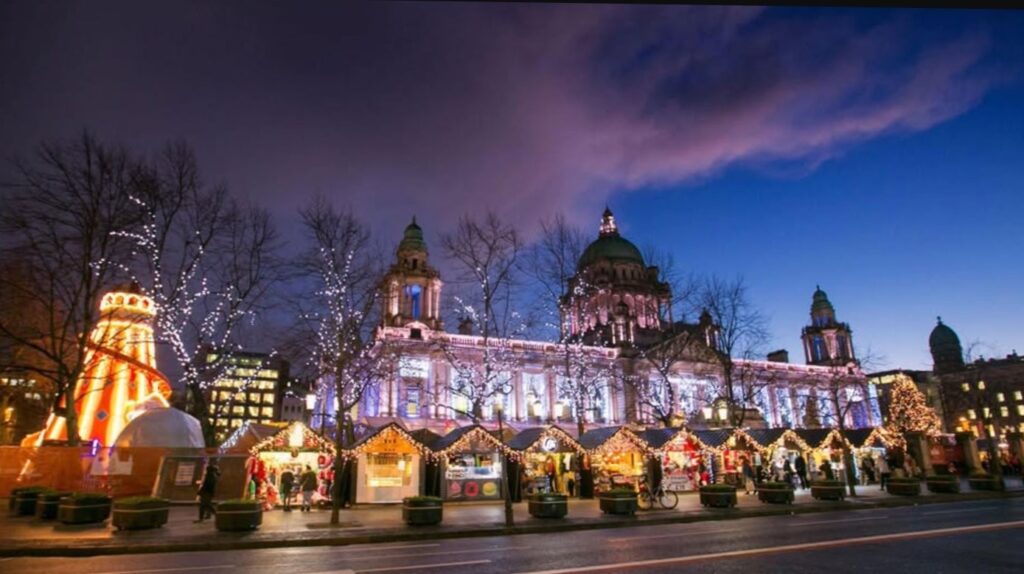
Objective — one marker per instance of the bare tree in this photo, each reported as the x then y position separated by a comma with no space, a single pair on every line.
337,319
60,217
208,263
485,254
740,332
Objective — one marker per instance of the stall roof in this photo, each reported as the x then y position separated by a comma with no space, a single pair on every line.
249,435
392,427
766,437
596,438
714,438
658,437
453,439
425,436
529,438
814,437
285,438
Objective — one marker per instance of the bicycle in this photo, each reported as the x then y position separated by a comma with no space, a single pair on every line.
665,498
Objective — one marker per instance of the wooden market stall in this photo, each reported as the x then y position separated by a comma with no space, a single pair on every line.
389,465
684,457
293,448
618,457
548,460
470,464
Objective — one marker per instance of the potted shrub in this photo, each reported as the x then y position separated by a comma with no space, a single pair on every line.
24,502
718,495
14,496
140,512
548,505
422,510
984,481
239,514
828,490
775,493
47,503
944,483
83,508
905,486
618,501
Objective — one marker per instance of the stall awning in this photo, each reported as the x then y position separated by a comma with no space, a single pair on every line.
249,435
614,438
658,438
390,438
295,436
537,438
462,439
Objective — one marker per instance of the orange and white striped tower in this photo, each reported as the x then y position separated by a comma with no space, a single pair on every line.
120,373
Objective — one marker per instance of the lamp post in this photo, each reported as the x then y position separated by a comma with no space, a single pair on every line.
509,516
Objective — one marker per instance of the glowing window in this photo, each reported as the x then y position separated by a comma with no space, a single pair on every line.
1001,397
971,414
1004,412
966,387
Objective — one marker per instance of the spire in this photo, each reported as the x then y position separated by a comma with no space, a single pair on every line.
608,226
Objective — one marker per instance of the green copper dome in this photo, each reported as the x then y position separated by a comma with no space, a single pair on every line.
819,301
610,246
413,238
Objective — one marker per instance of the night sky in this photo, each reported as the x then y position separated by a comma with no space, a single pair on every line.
879,154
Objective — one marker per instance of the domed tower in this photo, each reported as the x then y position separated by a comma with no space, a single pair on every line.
615,298
947,354
826,341
413,287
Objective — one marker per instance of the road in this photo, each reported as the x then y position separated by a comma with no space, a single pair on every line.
985,536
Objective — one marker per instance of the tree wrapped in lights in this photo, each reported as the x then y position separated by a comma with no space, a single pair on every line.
908,411
336,321
208,263
485,254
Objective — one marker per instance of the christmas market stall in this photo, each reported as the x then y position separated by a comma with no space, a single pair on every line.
389,465
827,448
732,447
869,444
548,460
618,456
470,464
684,457
781,445
293,448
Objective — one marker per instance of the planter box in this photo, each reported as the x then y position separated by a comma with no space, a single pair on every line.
828,491
24,503
904,487
47,504
422,512
943,484
618,504
14,496
236,516
549,506
774,495
150,514
718,498
985,483
86,512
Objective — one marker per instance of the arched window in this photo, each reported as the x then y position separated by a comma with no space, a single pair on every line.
413,292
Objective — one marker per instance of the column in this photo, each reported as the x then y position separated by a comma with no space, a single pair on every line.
518,395
551,390
970,448
917,446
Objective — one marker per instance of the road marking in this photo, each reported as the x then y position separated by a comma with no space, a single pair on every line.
422,566
839,520
787,548
441,553
686,534
180,569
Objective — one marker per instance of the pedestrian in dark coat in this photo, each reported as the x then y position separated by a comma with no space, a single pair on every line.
287,485
801,470
207,490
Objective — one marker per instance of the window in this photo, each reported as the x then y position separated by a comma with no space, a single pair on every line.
971,414
1018,396
413,292
966,387
1020,410
268,398
1004,412
1001,397
819,351
988,412
412,400
981,385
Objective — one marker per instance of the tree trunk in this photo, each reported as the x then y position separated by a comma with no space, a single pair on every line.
586,485
71,418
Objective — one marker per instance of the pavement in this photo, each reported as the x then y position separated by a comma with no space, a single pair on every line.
27,536
967,536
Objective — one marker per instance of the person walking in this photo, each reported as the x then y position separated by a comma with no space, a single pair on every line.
801,470
826,470
207,489
882,466
308,484
748,476
287,485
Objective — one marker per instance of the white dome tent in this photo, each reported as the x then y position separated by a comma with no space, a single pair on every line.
162,427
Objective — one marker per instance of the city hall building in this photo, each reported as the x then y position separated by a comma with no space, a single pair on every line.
624,307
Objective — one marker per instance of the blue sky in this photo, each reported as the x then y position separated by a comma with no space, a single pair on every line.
877,153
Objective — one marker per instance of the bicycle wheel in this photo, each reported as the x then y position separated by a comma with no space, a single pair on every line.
668,499
644,501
